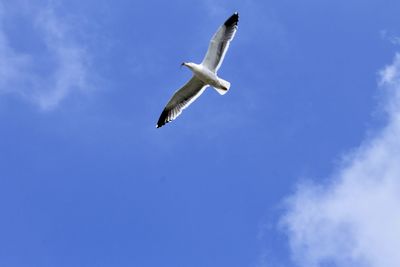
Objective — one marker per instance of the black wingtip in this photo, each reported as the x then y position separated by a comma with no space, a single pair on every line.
159,125
163,119
233,20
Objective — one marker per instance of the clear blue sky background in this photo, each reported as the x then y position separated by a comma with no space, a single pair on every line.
88,180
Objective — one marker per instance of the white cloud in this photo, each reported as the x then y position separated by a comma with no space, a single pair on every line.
354,220
43,76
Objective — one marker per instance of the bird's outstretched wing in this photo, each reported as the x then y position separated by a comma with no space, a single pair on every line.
220,42
181,100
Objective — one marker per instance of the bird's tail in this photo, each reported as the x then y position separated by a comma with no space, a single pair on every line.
225,85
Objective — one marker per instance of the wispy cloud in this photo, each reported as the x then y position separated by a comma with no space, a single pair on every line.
386,35
44,76
354,220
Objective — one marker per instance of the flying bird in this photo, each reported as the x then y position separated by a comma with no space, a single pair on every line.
204,74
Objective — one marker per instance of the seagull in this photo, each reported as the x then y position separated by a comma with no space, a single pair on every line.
204,74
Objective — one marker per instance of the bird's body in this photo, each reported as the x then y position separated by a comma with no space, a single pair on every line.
204,74
207,76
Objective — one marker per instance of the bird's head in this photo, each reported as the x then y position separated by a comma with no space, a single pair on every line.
190,65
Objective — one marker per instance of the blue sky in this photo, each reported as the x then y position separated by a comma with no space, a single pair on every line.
295,166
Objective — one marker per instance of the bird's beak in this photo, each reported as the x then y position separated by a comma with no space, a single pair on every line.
183,64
